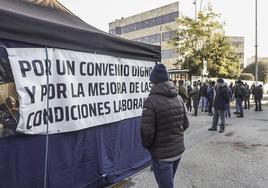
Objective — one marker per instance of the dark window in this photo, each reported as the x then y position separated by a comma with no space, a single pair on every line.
156,37
150,22
118,30
168,54
167,35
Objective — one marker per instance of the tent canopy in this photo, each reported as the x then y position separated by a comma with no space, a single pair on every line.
26,22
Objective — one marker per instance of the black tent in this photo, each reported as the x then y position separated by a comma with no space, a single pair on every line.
25,22
92,157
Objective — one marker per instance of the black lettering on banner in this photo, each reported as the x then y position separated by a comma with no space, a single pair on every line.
61,90
47,116
145,87
31,93
58,111
28,126
141,71
81,68
72,113
67,116
128,104
60,114
92,109
100,108
37,118
84,110
90,68
38,67
101,88
24,67
65,67
51,89
79,112
111,70
126,70
93,89
77,91
134,87
44,91
107,107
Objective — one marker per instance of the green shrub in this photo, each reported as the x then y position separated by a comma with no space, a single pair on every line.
246,76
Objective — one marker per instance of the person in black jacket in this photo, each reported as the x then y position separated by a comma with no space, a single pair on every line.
240,94
220,105
258,95
163,124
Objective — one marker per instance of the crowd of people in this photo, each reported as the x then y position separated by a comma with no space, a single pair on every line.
215,98
164,117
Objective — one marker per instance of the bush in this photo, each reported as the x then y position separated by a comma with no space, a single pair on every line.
263,70
246,76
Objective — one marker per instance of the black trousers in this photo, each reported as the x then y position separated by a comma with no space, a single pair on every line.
195,105
247,103
210,104
189,104
258,104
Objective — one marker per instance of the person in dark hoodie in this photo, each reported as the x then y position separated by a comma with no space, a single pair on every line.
258,95
240,93
163,124
210,95
220,105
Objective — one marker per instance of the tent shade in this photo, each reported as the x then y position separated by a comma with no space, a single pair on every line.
25,22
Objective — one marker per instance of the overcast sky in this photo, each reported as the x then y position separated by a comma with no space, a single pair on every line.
239,16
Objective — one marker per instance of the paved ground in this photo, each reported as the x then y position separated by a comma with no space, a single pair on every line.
237,158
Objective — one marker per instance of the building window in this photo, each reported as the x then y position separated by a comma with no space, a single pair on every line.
149,23
167,35
168,54
156,37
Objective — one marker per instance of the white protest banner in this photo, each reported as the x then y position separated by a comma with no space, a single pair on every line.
81,89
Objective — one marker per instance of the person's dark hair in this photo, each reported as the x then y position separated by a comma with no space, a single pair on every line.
181,82
220,80
212,83
10,101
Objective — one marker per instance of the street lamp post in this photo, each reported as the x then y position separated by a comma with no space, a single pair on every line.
195,9
256,44
161,40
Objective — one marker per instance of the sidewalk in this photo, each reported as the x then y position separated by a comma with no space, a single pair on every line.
237,158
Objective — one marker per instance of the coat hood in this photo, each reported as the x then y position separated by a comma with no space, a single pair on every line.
167,89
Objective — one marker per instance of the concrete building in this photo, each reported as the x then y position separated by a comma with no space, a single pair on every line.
238,44
152,27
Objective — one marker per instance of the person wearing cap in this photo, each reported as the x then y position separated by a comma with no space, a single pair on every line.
163,124
220,105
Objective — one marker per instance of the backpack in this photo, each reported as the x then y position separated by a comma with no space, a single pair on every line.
242,92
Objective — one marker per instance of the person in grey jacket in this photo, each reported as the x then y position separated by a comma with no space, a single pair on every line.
163,124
